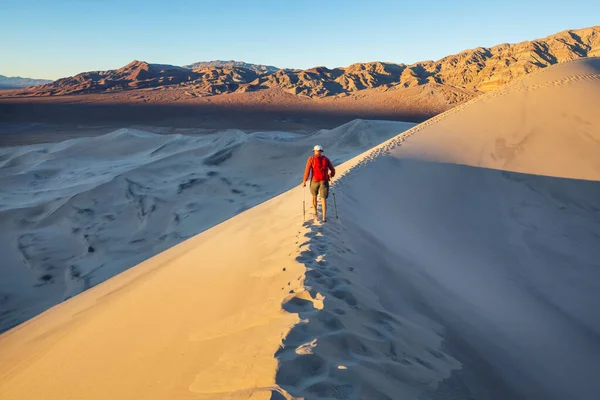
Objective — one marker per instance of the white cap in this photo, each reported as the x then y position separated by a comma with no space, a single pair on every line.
317,148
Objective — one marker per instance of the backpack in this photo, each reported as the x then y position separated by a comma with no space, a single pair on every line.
320,168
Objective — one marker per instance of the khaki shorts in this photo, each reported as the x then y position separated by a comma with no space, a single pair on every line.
320,188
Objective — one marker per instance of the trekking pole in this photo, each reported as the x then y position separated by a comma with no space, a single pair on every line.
335,206
303,204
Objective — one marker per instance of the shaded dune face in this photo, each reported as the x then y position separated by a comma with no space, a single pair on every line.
465,260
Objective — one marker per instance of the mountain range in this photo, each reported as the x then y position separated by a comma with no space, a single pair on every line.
12,82
231,63
475,70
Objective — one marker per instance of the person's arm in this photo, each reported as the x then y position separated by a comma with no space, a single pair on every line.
307,171
330,165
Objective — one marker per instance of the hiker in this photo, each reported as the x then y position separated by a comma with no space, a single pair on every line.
319,182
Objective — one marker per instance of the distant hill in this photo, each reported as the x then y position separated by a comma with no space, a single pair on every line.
7,82
476,70
230,64
135,75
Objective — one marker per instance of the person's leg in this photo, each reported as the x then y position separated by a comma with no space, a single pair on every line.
324,192
314,190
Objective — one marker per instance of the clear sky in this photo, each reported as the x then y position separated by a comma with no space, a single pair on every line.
57,38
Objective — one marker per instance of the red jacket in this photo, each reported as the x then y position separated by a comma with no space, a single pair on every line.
320,167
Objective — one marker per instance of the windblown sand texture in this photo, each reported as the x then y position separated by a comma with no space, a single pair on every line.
75,213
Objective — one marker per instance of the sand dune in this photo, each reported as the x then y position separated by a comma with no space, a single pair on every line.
464,265
75,213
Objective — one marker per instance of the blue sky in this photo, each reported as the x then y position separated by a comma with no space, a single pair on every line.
57,38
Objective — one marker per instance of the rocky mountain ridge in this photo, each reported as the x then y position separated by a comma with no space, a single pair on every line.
475,70
231,63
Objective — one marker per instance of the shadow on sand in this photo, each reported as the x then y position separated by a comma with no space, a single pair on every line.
445,281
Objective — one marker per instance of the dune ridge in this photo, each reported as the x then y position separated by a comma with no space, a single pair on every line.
524,85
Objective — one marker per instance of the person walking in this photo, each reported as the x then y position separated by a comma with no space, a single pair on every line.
320,166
